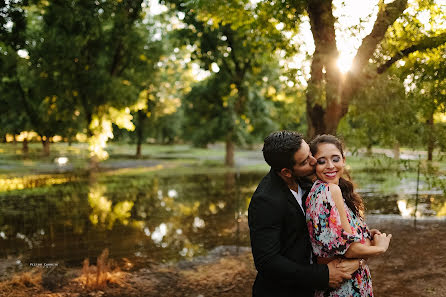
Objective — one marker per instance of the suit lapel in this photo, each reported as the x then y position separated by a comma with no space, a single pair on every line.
294,202
287,193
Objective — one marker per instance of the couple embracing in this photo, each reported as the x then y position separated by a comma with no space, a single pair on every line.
309,236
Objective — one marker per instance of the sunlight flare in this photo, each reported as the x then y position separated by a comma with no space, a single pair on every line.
344,63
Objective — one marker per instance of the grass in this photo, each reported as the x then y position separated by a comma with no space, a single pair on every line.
22,173
14,163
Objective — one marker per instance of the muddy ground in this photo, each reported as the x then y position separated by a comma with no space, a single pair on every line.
414,266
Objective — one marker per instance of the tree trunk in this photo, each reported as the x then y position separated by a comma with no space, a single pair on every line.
328,93
25,148
138,150
93,162
46,146
323,94
229,158
93,165
430,135
369,150
89,119
14,139
140,132
396,150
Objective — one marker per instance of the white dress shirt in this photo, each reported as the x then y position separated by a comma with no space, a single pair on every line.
298,196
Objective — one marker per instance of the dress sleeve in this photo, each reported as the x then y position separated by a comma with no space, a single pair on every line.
327,236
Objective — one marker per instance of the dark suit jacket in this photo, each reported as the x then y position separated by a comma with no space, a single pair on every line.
280,243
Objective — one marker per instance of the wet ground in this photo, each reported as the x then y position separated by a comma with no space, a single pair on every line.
414,266
177,235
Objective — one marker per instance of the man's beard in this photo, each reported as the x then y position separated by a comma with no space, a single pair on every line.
303,181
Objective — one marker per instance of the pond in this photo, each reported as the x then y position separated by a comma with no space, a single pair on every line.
66,218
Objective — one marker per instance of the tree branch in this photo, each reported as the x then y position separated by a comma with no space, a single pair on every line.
424,44
387,15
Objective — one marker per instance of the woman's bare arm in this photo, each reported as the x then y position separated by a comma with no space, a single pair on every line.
358,250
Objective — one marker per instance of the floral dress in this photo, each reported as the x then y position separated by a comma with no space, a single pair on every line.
329,239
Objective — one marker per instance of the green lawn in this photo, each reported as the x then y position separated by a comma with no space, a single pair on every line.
184,159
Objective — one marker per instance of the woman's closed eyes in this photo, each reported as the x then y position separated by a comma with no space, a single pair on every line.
335,159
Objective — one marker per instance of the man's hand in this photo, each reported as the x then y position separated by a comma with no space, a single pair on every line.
336,274
348,265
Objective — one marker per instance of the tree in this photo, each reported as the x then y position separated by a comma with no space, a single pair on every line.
101,55
382,113
426,79
420,74
329,93
237,56
12,28
22,84
338,92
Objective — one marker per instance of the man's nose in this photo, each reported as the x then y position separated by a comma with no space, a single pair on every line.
312,161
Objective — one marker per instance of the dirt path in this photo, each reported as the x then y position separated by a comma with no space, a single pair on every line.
414,266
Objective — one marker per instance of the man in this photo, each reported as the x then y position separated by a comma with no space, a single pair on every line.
279,237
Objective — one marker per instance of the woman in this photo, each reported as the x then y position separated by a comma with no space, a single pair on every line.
335,219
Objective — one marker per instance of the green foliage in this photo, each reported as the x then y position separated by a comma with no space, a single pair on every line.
94,47
405,104
86,60
12,23
382,114
80,60
239,51
12,38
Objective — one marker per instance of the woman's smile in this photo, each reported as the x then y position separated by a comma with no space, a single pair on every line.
331,174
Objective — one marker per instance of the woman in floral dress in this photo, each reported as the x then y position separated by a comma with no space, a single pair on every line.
335,219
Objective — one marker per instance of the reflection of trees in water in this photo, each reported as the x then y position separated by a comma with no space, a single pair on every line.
201,215
440,209
41,223
193,216
102,212
161,218
438,205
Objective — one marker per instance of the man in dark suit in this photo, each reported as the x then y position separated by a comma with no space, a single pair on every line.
279,237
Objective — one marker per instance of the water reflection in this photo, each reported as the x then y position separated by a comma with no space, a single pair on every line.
407,211
102,211
159,218
159,233
31,181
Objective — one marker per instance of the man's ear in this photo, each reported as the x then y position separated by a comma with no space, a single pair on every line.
285,172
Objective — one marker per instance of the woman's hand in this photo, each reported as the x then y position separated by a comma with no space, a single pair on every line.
382,241
373,232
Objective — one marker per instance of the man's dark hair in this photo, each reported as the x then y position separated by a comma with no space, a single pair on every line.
279,148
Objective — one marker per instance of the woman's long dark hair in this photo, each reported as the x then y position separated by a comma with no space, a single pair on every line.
352,199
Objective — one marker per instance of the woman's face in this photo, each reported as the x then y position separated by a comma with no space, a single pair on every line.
329,163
